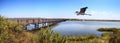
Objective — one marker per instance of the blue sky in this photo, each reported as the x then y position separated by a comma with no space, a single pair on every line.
100,9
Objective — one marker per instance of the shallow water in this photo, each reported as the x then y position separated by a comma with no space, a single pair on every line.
81,27
84,27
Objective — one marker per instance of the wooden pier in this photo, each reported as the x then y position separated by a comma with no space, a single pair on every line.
36,21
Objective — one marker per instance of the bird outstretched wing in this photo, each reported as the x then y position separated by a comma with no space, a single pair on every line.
82,10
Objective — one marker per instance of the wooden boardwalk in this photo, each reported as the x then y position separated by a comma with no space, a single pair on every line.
49,20
36,21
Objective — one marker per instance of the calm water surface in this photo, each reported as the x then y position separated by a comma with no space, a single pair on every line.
81,27
84,27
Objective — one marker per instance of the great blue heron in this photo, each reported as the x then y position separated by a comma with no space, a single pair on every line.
82,11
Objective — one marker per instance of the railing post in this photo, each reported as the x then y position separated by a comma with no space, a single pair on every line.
27,23
36,25
18,21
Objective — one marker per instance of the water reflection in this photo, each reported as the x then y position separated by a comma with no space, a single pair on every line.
80,27
84,27
32,26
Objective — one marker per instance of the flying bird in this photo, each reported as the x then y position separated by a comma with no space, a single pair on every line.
82,11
